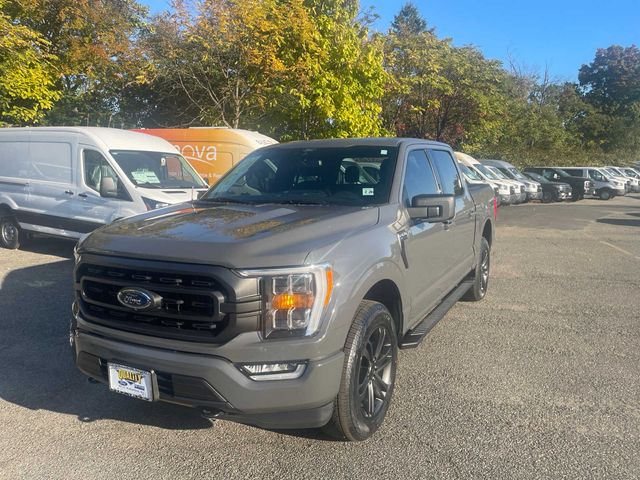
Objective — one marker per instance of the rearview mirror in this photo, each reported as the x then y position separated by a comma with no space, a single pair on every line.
108,187
432,208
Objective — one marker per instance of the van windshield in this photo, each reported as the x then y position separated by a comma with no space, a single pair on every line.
472,174
516,173
357,175
157,169
487,173
497,173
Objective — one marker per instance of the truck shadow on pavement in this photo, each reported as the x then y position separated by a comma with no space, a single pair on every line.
37,370
623,222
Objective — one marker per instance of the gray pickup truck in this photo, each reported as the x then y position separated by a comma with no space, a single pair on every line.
280,298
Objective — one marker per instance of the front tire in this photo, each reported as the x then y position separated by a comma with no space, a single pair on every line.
9,233
481,282
605,194
368,374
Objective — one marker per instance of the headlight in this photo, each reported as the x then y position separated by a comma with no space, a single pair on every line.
153,204
504,189
294,299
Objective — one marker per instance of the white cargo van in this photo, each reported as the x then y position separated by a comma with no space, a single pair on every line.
67,181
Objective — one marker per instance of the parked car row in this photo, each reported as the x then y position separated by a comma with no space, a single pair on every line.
68,181
550,183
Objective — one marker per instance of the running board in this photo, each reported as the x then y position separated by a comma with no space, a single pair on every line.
414,336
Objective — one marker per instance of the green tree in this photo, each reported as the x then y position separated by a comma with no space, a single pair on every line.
96,55
27,76
292,68
438,91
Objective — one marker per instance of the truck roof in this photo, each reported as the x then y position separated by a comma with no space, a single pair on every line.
354,142
111,138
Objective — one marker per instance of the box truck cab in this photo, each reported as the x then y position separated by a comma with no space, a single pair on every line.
212,151
67,181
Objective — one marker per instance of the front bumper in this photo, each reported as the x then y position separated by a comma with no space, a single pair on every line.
564,195
507,199
521,197
534,195
216,383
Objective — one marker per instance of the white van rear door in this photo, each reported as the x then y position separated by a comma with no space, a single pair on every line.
51,190
14,179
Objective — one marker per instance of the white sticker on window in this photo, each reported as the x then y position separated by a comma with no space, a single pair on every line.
145,176
367,192
383,152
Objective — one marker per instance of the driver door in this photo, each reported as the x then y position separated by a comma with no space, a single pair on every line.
91,208
426,244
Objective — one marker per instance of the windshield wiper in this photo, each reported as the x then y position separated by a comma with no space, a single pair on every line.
148,185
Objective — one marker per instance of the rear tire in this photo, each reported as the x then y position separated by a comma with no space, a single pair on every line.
9,233
479,288
368,374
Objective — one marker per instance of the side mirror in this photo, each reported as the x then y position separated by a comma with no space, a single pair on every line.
432,208
206,180
108,187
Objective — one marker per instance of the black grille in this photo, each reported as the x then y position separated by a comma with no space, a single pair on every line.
190,308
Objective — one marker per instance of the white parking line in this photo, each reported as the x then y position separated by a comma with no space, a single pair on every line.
619,249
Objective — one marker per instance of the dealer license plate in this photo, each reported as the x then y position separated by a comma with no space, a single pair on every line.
131,381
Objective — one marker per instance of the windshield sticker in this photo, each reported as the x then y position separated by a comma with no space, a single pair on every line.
367,192
383,152
145,176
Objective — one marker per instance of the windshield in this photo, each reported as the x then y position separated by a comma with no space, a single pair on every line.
537,177
611,171
497,172
516,173
157,169
471,174
596,175
631,173
484,170
358,175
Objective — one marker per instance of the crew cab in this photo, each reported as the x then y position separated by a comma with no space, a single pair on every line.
280,297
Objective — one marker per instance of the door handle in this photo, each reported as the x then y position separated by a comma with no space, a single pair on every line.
68,192
83,195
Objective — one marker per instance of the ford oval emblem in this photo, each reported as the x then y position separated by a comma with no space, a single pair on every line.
139,299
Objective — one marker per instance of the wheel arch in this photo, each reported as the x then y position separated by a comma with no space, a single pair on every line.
386,292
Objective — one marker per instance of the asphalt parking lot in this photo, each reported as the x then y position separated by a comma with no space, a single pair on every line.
542,379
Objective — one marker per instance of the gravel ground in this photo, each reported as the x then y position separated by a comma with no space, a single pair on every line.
541,380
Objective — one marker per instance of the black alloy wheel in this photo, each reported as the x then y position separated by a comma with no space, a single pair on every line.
368,374
481,278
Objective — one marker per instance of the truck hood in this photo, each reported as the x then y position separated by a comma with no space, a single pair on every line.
230,235
169,195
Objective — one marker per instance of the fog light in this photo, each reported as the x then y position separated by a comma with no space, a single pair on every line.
273,371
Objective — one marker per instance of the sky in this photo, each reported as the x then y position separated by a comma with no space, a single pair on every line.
560,35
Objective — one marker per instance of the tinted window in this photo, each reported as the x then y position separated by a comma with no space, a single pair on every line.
357,175
447,171
418,178
51,161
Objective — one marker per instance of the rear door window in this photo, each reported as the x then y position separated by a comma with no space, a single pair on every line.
51,161
14,159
